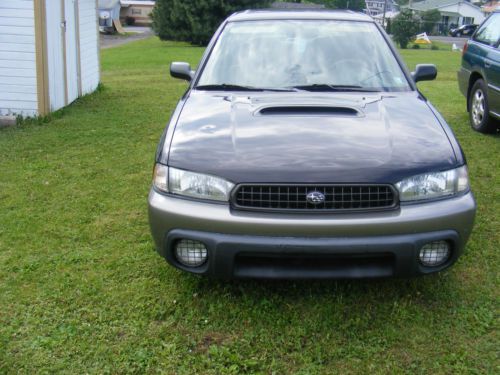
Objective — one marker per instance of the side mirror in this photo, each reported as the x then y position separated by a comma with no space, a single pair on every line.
424,72
181,70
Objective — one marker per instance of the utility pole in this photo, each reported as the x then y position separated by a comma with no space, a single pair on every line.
383,16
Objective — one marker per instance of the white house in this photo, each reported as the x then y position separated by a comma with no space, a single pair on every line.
453,12
49,54
376,7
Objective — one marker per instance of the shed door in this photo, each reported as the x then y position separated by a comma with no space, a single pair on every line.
71,47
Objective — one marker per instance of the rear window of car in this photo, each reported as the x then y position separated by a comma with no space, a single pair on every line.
289,53
489,32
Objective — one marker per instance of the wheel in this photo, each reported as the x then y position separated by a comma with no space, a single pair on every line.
458,35
479,115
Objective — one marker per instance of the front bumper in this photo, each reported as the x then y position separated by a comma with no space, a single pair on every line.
278,245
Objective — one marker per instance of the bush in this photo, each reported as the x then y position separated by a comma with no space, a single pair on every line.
404,27
434,47
195,21
416,46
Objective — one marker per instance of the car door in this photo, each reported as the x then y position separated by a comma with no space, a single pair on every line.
487,58
492,63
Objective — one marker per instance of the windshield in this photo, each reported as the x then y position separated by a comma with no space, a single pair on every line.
303,53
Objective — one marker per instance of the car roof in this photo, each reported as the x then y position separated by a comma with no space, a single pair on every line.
299,14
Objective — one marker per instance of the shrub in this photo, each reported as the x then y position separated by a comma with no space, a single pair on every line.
434,47
195,21
404,27
388,28
416,46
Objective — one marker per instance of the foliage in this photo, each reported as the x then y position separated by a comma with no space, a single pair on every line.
429,20
404,27
83,291
415,46
195,21
342,4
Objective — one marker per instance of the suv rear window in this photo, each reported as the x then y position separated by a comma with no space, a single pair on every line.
489,32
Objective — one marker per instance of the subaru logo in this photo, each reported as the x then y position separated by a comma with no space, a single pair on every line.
315,197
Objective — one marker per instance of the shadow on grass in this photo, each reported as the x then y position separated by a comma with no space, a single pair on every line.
435,287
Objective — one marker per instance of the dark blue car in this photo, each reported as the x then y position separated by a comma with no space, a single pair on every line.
303,149
479,76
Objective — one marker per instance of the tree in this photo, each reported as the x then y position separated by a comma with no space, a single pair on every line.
342,4
404,27
195,21
429,20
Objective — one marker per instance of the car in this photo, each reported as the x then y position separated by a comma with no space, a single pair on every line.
302,148
463,30
479,75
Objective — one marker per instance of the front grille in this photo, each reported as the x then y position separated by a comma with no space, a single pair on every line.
295,197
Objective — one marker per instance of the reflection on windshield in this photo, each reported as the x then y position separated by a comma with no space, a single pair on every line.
290,53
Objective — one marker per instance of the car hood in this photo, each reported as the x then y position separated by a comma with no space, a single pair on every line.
309,137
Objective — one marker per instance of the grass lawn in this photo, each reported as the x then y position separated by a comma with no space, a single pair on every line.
83,291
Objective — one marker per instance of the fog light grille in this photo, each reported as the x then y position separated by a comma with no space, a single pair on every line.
191,253
434,253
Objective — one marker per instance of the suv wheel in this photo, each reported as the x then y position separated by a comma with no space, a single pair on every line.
479,115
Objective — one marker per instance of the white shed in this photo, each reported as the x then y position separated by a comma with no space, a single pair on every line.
49,54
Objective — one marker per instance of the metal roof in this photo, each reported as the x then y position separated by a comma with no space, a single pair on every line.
434,4
299,14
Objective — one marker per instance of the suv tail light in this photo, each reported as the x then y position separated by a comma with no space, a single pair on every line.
465,47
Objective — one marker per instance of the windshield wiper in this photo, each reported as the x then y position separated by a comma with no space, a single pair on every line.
230,87
339,88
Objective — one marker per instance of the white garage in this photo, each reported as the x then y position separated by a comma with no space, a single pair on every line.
49,54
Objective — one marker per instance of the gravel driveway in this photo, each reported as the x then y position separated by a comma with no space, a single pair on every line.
133,33
450,40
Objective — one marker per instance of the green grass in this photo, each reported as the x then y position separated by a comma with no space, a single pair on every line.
439,45
83,291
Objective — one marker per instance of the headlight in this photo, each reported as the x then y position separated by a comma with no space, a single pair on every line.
433,185
196,185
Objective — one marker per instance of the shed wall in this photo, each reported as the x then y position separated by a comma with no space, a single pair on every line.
89,46
18,84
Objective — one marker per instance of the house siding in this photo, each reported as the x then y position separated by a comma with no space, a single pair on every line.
465,10
18,84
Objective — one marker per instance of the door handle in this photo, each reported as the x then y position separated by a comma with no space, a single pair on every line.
487,64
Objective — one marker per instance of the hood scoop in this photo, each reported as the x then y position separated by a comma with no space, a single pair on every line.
308,110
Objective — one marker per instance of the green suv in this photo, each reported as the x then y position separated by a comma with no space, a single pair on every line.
479,76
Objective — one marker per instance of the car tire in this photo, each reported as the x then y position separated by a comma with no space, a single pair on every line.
458,35
479,111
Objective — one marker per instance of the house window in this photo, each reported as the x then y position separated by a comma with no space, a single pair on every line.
468,20
136,12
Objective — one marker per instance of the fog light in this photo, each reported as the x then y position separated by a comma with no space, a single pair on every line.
190,253
434,253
